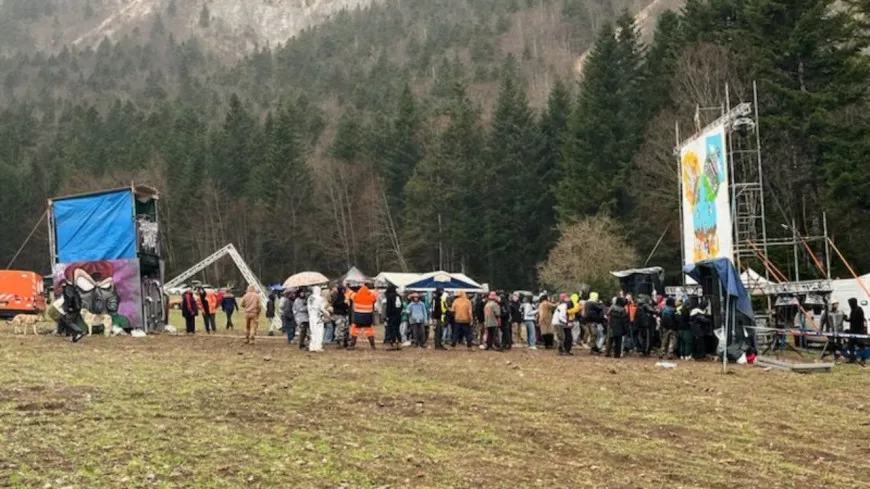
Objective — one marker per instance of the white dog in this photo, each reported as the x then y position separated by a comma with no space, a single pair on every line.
21,321
94,319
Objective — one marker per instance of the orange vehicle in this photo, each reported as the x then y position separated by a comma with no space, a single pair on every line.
21,293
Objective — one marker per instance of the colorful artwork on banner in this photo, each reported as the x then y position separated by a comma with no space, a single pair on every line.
110,291
706,208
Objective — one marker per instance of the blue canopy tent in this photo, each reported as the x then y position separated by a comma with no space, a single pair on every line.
737,308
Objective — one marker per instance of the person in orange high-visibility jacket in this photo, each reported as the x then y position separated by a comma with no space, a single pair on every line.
363,314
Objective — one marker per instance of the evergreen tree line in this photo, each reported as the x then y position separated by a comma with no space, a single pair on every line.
425,177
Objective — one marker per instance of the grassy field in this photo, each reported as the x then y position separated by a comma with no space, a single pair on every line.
212,413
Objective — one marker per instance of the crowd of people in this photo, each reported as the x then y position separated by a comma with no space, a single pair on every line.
313,317
496,321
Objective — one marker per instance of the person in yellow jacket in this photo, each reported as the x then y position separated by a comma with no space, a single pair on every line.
573,318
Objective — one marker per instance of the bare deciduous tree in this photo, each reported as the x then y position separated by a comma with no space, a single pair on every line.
587,251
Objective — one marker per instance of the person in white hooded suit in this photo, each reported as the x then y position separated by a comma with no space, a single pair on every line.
315,318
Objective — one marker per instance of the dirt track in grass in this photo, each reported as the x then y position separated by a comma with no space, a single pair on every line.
213,412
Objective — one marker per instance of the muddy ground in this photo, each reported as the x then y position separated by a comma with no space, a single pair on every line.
211,412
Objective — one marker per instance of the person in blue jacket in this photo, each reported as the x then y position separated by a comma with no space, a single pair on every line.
229,306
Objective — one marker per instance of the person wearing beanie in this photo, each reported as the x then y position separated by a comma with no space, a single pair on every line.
492,316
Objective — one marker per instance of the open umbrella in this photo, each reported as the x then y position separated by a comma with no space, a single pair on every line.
305,279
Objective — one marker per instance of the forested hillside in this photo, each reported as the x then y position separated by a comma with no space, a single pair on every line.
420,134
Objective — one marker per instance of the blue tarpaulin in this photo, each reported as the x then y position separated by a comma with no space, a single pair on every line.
728,277
95,227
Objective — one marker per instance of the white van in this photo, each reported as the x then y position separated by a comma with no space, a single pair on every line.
845,289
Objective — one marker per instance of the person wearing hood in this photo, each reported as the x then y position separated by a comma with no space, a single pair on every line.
315,319
530,314
669,329
439,310
418,316
562,322
300,315
462,317
832,322
340,311
229,306
618,328
492,319
700,323
645,323
393,316
546,308
684,330
363,302
252,307
287,318
858,326
72,309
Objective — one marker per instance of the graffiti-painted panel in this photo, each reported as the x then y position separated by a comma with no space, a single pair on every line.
110,289
707,225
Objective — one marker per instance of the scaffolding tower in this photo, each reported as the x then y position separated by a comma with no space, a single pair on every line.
751,241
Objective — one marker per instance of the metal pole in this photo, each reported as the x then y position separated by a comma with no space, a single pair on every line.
440,245
797,273
680,201
727,316
729,167
827,245
760,174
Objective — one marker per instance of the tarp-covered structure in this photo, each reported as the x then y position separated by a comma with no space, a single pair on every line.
95,227
107,245
641,280
720,278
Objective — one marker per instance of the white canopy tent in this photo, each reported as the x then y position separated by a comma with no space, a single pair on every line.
754,282
427,282
400,280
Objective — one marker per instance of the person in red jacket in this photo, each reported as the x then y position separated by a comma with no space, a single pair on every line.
189,309
363,314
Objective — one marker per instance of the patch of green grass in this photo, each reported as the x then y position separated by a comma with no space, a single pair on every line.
211,412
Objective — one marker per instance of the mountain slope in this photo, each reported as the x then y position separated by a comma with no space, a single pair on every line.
231,28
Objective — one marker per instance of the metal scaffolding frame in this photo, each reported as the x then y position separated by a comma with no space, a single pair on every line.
746,181
247,273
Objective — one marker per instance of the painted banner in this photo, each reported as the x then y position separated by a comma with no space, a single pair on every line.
706,198
111,291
